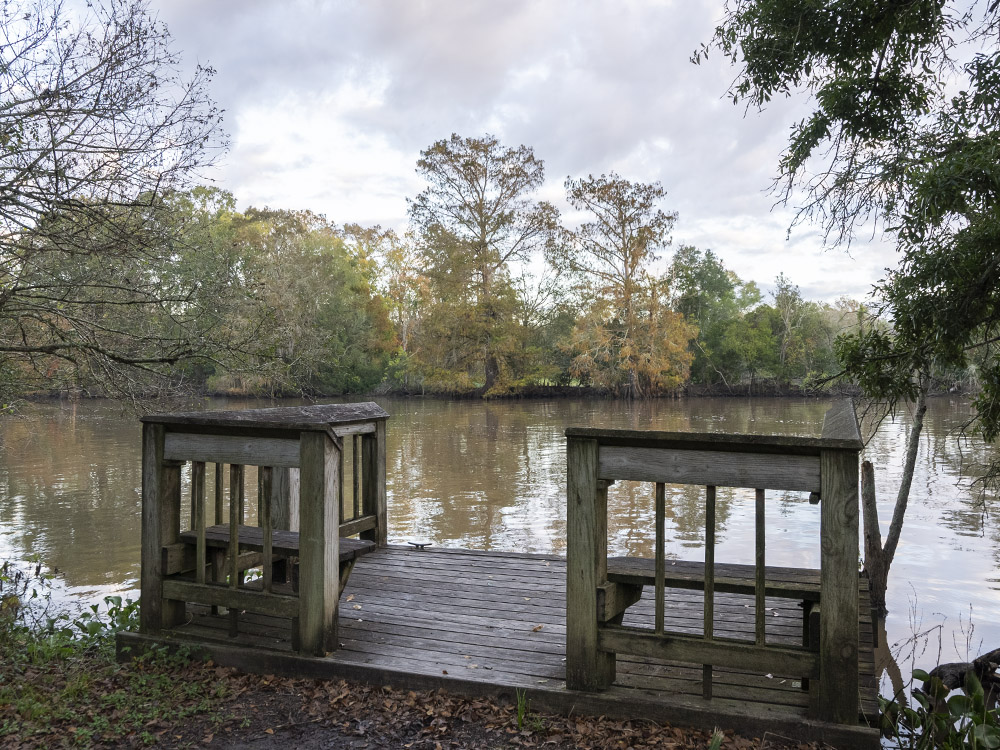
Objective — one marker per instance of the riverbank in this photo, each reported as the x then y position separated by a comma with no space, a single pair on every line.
61,685
758,389
761,388
83,699
267,712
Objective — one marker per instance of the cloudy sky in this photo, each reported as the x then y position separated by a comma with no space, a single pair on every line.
328,105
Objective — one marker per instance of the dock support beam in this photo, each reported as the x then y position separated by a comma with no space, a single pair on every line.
587,667
161,525
319,543
838,629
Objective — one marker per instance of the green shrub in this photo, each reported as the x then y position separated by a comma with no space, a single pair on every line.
941,722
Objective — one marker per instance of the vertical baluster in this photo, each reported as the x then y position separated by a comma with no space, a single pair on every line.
218,556
260,497
342,511
264,514
759,568
706,670
193,501
198,517
219,469
237,495
235,517
356,459
660,554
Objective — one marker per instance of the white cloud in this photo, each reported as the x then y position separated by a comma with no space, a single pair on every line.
330,103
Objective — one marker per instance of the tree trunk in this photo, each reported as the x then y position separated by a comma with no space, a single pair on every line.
492,370
876,565
633,383
878,557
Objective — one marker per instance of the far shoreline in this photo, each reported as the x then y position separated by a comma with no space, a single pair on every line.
761,389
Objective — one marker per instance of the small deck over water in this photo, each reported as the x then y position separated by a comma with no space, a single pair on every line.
488,623
695,644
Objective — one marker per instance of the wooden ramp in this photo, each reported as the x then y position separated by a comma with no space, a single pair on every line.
480,623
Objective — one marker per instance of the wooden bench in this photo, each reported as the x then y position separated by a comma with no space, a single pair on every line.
787,583
284,550
629,574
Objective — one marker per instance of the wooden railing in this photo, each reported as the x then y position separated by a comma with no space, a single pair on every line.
598,594
302,512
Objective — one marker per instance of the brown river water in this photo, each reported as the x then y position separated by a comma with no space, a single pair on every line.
492,476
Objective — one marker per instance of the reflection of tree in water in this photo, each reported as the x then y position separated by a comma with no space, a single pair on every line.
493,474
71,489
460,469
632,519
963,460
947,465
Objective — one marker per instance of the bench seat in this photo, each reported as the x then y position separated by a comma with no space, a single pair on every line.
284,552
283,543
789,583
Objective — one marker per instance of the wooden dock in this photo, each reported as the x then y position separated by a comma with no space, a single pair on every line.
480,623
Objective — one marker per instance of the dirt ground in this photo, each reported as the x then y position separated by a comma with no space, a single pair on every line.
267,712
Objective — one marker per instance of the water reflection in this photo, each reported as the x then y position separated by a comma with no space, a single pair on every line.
70,481
492,476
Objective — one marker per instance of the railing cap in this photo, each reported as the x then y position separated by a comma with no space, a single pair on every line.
302,418
840,432
841,423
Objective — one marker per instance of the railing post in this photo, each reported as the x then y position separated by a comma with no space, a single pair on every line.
280,498
319,542
373,494
161,524
838,631
587,668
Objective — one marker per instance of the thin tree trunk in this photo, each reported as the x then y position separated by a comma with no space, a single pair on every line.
492,368
878,556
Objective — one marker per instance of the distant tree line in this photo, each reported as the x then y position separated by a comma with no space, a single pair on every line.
118,278
488,293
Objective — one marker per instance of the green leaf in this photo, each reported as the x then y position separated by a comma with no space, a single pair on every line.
972,684
959,705
986,736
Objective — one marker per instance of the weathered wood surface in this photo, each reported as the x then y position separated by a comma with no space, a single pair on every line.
319,542
708,630
838,699
587,668
283,543
719,468
235,599
455,619
231,449
359,525
790,583
181,558
161,504
760,563
292,418
373,492
840,424
790,444
198,518
743,655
